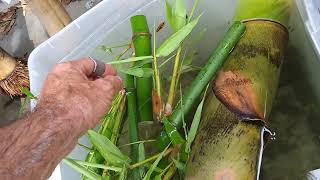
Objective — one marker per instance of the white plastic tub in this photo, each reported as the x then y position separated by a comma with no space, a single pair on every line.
108,23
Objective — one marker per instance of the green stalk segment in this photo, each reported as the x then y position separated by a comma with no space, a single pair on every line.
133,119
139,99
204,77
142,46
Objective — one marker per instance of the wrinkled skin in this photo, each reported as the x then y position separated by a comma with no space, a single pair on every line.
71,102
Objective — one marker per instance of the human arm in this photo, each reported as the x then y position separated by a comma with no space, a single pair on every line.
71,102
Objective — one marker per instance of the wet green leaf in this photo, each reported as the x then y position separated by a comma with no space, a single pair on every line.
132,59
173,42
107,149
195,124
82,170
172,132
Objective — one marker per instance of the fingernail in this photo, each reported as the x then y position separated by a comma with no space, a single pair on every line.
119,78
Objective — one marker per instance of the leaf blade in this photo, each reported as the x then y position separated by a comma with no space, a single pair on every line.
173,42
155,164
82,170
132,59
179,13
169,13
195,124
107,149
172,132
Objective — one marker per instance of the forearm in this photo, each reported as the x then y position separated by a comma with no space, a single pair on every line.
31,147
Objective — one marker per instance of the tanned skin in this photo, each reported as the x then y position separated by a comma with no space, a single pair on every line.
71,102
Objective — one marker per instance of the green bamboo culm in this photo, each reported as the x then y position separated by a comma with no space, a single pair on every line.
142,47
207,73
133,119
141,39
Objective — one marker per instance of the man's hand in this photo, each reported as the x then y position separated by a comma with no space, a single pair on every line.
71,102
84,98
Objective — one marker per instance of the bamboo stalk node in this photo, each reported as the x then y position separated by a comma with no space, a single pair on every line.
135,35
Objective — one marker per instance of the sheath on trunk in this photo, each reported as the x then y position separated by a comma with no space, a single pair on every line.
230,139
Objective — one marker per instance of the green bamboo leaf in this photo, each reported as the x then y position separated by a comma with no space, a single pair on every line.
173,133
179,13
82,170
106,48
156,169
181,166
142,156
28,93
138,72
155,164
188,68
132,59
173,42
195,124
141,63
194,7
123,174
101,166
107,149
169,13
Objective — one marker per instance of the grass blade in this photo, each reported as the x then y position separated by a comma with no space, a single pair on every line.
195,124
132,59
173,42
82,169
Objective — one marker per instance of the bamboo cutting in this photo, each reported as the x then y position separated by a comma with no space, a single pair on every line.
230,141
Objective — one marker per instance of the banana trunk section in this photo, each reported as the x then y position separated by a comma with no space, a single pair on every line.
230,139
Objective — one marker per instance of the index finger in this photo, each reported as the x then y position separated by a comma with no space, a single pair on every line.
86,66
